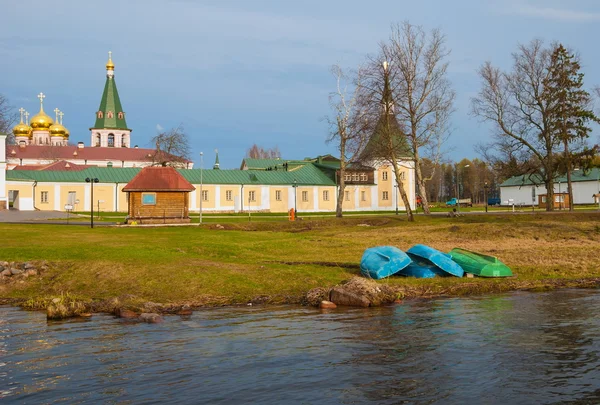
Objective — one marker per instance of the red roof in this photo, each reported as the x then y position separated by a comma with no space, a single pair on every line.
158,178
60,166
74,152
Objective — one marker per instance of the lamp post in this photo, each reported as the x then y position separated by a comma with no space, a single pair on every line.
201,181
295,199
458,187
485,194
91,181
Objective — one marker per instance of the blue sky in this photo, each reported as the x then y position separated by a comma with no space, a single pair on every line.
238,72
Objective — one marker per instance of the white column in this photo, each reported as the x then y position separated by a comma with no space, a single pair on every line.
356,198
316,198
57,206
265,201
86,197
291,197
217,198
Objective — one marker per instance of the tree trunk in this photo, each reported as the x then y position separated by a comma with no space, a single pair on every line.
340,197
400,184
421,184
569,169
550,194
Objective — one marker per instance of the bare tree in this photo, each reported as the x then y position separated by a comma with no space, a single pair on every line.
8,117
387,139
348,129
422,93
514,103
258,152
172,148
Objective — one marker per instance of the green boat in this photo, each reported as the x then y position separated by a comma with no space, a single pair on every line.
479,264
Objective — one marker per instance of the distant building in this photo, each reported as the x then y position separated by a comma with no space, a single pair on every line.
44,141
530,190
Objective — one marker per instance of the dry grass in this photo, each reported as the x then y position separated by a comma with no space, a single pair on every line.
280,262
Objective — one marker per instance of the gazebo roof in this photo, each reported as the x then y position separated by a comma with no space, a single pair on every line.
158,179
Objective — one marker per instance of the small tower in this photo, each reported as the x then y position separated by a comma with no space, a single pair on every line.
110,129
216,165
22,131
57,131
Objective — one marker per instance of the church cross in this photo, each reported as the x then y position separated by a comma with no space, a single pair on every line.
21,110
109,55
56,111
26,118
41,96
60,114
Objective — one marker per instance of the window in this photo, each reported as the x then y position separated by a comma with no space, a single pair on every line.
305,196
123,141
71,198
109,114
402,176
251,196
384,176
228,195
98,139
44,197
347,195
277,195
109,164
204,195
543,199
559,198
363,177
363,196
385,196
354,176
148,198
111,140
325,195
120,115
100,114
347,177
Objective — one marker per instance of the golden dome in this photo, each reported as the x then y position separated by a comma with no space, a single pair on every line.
110,65
58,130
21,129
41,121
67,133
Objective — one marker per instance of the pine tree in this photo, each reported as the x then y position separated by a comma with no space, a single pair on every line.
569,108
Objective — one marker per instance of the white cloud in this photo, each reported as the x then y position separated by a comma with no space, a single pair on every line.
550,13
159,128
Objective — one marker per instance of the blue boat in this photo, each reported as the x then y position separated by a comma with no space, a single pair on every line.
444,263
419,268
383,261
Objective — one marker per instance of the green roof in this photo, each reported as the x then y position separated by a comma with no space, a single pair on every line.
529,180
262,164
308,174
110,103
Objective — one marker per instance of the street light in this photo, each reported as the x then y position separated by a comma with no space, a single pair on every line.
485,193
458,187
201,191
92,181
295,199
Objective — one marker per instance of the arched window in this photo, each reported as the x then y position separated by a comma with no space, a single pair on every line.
111,140
100,114
98,139
109,164
124,141
109,114
121,115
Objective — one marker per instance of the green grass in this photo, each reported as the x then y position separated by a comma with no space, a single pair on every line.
210,266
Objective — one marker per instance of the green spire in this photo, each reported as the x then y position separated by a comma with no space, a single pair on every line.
216,166
110,114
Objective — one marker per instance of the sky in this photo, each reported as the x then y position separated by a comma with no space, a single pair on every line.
238,72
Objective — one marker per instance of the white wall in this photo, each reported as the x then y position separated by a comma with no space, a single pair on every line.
3,192
583,192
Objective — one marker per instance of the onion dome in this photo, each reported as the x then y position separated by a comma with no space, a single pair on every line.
110,65
41,121
21,129
57,129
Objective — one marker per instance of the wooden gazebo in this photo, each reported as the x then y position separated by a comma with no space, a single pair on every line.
158,195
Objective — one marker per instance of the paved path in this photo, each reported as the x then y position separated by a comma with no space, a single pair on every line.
31,216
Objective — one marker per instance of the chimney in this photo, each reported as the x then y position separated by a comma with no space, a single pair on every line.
80,145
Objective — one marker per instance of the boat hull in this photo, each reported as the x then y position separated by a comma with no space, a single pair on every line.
479,264
383,261
419,268
443,262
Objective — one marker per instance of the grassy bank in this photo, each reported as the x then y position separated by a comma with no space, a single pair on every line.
279,262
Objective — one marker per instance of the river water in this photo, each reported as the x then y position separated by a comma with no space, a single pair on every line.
520,348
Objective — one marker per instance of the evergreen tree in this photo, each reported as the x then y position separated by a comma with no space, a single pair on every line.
569,109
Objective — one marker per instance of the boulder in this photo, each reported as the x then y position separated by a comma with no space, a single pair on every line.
341,296
151,318
316,295
28,265
31,272
6,273
15,271
327,305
